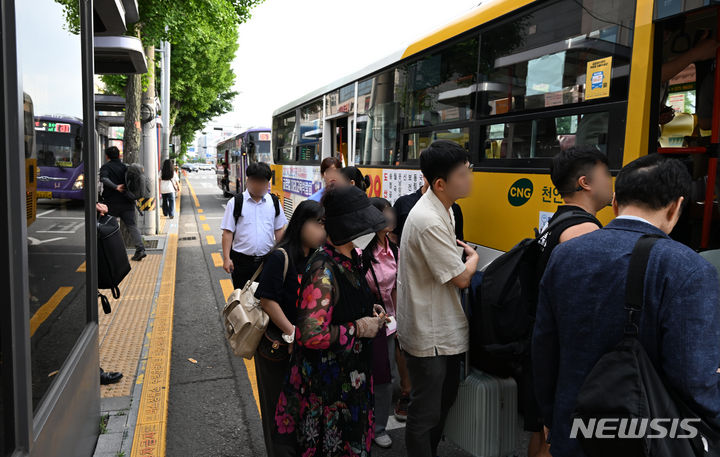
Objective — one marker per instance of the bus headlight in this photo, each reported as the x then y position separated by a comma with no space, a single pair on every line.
79,183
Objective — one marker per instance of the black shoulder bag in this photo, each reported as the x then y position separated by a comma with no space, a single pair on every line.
625,392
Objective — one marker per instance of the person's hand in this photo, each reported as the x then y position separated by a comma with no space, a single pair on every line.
368,327
378,311
120,188
101,208
228,265
706,48
469,251
667,114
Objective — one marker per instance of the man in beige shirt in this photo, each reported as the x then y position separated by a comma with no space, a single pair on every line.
432,327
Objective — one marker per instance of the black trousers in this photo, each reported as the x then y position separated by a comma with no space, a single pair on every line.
243,268
126,213
429,405
270,378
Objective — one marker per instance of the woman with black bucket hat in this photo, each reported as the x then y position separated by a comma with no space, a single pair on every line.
326,405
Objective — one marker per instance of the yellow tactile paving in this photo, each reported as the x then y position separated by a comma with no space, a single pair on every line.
201,217
151,426
206,227
227,288
121,333
210,239
200,210
163,223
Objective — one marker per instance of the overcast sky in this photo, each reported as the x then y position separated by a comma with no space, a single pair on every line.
292,47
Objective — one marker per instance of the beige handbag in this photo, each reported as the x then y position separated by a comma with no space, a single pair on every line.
245,320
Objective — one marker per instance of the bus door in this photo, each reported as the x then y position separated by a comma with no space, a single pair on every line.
341,134
688,113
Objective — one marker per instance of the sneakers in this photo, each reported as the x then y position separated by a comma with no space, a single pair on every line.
139,255
401,407
384,441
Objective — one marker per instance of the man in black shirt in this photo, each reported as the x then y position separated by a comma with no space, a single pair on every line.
112,176
583,179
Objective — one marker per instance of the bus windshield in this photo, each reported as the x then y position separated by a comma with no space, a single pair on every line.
56,149
262,146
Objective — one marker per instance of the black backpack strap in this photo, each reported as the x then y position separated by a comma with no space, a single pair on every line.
105,303
237,209
635,285
276,202
566,217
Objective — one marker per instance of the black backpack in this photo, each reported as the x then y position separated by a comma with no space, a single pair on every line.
113,264
503,308
237,209
137,184
624,385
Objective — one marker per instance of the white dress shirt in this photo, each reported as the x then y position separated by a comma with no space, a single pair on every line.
255,229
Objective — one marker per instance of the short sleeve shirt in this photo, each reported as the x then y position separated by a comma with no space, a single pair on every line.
271,285
430,317
255,229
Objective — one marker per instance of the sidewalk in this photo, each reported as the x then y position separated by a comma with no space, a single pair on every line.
135,339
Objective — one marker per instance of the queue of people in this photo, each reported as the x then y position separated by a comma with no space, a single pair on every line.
361,295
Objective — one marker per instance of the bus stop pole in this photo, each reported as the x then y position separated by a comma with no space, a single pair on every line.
165,100
149,146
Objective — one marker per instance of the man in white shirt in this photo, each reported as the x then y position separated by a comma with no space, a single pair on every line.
432,327
250,233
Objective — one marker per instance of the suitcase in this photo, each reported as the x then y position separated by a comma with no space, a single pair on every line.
484,419
113,263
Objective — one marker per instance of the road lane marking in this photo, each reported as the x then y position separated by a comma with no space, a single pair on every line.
206,227
217,259
46,310
45,212
201,217
150,434
227,288
82,268
210,239
35,242
192,192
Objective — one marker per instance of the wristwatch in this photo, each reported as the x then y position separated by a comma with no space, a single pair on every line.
289,338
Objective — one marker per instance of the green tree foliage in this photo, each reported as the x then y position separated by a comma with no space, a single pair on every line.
203,35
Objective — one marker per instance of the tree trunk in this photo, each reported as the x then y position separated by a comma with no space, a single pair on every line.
131,138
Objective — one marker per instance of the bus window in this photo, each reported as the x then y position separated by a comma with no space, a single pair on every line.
310,131
686,79
540,59
284,136
545,137
417,142
377,121
341,101
441,86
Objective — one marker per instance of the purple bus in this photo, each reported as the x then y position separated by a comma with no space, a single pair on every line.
58,143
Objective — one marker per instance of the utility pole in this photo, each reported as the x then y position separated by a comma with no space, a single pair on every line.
149,142
165,100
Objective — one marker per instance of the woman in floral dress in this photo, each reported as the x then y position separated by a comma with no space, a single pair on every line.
326,405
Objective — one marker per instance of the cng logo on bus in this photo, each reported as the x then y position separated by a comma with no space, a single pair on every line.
520,192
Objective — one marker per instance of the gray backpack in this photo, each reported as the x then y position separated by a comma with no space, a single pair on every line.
136,182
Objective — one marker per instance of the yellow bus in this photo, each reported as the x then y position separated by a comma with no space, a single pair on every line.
515,82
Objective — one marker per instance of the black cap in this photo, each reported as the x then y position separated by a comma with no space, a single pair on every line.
349,214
